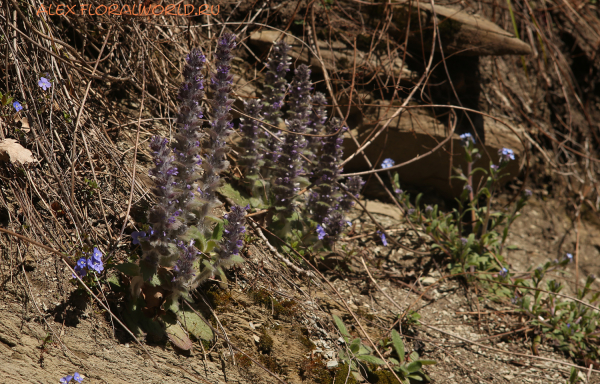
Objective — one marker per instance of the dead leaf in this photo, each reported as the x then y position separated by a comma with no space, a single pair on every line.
11,150
23,124
56,207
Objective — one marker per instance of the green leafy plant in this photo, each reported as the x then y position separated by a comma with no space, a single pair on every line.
411,368
359,354
359,357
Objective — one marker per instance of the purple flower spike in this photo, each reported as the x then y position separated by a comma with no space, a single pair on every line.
290,164
275,89
44,83
233,236
253,142
315,126
220,127
184,267
186,154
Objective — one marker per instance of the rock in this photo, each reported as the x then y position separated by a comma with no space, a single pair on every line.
461,33
415,133
336,56
428,280
382,209
332,364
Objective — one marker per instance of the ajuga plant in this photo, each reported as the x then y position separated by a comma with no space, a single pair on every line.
275,89
328,200
253,144
315,126
288,165
289,172
184,243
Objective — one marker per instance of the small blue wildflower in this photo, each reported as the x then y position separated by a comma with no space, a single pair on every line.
428,208
464,241
506,155
44,83
383,239
95,262
17,106
137,235
77,377
398,191
465,138
503,272
528,193
81,268
570,257
411,211
387,163
468,188
494,167
321,232
66,379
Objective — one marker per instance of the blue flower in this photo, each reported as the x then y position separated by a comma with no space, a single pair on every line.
66,379
503,272
17,106
77,377
570,257
81,263
494,167
428,208
321,232
97,255
466,137
383,239
528,193
464,241
137,235
506,155
387,163
44,83
398,191
96,263
81,268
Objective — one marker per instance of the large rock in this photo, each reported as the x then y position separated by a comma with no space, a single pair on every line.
417,132
336,56
461,33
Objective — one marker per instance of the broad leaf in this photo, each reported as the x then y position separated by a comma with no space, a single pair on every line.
218,231
195,324
239,197
341,326
130,269
398,345
355,346
371,359
178,336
